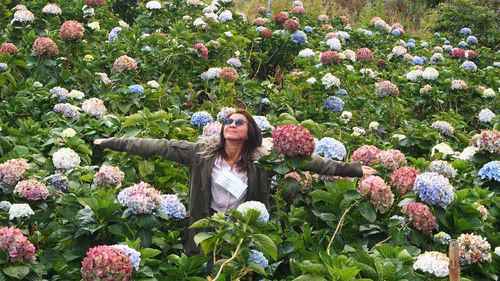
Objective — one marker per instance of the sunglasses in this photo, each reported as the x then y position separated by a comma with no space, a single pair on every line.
238,122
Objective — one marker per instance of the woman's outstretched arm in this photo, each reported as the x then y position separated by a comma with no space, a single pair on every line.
173,150
325,166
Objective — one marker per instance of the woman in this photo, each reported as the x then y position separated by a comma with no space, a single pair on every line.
223,170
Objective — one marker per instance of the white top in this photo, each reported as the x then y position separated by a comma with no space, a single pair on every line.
226,182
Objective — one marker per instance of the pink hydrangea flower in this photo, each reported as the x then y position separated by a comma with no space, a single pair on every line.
106,263
473,249
366,154
281,17
392,159
420,215
11,172
17,246
292,24
379,192
31,189
458,53
292,140
488,140
203,49
95,3
329,57
44,46
386,88
403,179
364,55
8,48
108,175
124,63
71,30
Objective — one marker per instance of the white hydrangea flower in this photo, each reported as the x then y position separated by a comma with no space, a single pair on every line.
488,93
37,84
334,44
65,158
123,24
346,115
153,84
153,5
373,125
357,131
443,148
306,53
256,205
497,251
414,75
468,153
399,51
23,16
433,262
94,25
75,94
485,115
68,133
430,73
199,23
267,143
311,80
367,71
330,80
399,136
20,211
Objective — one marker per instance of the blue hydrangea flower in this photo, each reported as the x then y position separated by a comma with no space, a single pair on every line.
260,28
133,255
234,62
256,257
334,104
462,44
465,31
263,123
446,42
146,49
442,238
424,44
491,170
434,189
330,148
3,66
60,92
299,37
347,28
172,206
437,34
136,89
113,33
395,32
469,65
278,32
343,35
201,118
411,40
61,182
264,101
410,45
424,59
472,40
367,32
418,61
308,29
342,92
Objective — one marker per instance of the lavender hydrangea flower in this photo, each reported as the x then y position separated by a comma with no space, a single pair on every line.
330,148
334,104
471,40
172,206
234,62
491,171
469,65
308,29
299,37
465,31
434,189
256,257
201,118
263,123
114,33
485,115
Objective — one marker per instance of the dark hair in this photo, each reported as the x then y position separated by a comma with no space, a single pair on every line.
251,144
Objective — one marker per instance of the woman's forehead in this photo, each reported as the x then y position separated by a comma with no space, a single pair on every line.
238,115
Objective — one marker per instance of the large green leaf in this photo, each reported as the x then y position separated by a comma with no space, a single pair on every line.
266,245
16,271
309,277
368,211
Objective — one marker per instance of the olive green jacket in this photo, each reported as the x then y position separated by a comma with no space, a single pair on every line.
200,158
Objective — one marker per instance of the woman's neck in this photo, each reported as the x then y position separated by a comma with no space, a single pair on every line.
233,151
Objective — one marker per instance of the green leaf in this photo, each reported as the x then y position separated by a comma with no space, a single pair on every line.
202,236
134,119
258,269
322,195
309,277
368,211
266,245
404,255
201,224
149,253
18,271
348,273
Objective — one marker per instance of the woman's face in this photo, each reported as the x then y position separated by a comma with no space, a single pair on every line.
236,131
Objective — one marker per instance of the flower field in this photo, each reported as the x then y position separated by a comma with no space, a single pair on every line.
423,113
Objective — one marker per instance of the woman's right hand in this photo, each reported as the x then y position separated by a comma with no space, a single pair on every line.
98,141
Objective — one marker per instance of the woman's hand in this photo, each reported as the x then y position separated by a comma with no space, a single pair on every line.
98,141
368,171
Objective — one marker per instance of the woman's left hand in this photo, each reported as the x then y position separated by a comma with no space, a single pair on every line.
368,171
